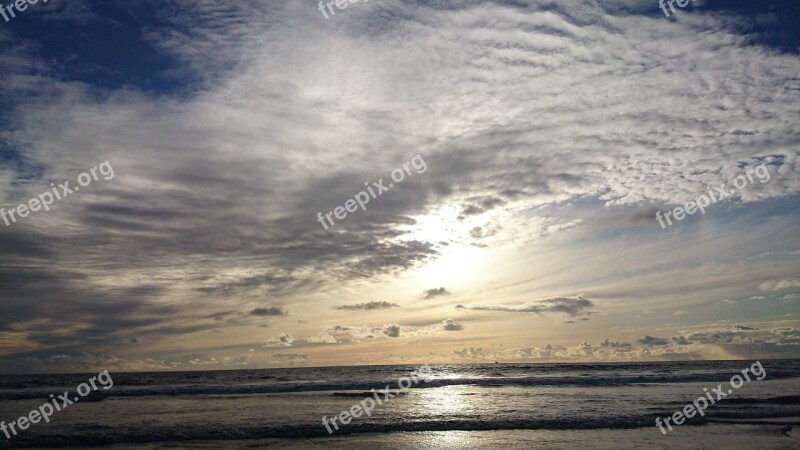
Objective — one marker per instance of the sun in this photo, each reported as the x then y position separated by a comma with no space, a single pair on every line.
457,259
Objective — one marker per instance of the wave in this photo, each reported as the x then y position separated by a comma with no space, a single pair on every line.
782,400
364,394
97,434
366,385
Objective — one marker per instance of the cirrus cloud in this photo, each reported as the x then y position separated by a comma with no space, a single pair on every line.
571,306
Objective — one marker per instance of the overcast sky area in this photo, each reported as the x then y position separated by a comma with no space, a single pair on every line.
551,133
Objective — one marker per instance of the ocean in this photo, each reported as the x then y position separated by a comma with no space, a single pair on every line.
608,405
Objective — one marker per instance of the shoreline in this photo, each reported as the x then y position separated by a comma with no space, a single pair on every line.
719,435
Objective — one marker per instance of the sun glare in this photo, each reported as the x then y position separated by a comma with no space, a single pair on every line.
457,259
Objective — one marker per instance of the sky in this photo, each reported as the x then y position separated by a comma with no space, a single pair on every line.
541,141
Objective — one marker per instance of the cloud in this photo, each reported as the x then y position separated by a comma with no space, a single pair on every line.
438,292
368,306
252,120
739,334
779,285
267,312
746,344
571,306
204,362
350,333
482,232
680,312
680,340
620,345
650,340
321,338
480,205
451,325
392,330
292,357
284,340
470,353
93,362
425,328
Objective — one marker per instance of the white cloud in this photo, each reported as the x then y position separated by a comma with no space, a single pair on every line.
284,340
321,338
779,285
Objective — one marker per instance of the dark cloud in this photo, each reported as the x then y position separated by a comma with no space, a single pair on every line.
572,306
451,325
266,283
720,337
651,340
680,340
620,345
297,357
392,330
741,335
73,312
478,206
368,306
436,292
484,232
645,216
284,340
21,244
269,311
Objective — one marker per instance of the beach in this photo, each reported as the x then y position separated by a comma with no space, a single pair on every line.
610,405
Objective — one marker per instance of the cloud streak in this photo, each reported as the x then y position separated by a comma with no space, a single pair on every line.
369,306
571,306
